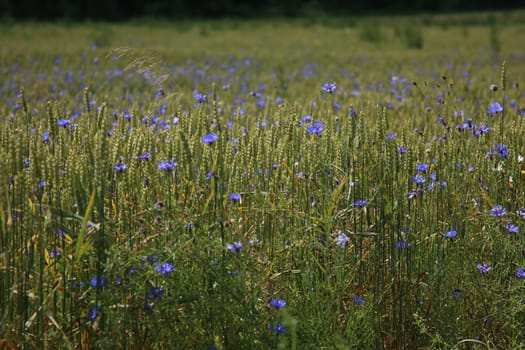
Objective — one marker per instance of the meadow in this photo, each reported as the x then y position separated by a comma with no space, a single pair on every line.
331,183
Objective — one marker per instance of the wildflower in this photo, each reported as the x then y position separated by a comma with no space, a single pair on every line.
199,97
120,167
277,328
403,244
64,122
358,300
402,149
329,87
164,268
156,293
341,240
494,108
521,212
148,307
502,150
456,293
483,268
316,128
418,179
235,247
498,211
520,273
511,228
167,165
45,137
210,138
451,234
422,168
277,303
93,312
360,203
391,136
98,281
235,197
144,156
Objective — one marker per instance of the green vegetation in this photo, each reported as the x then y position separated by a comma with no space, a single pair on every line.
252,185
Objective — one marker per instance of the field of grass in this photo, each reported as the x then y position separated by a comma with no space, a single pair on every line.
333,184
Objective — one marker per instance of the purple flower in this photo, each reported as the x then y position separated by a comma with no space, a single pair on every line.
120,167
316,128
164,268
403,244
148,307
199,97
210,138
511,228
521,212
358,300
418,179
98,281
64,122
45,137
156,293
494,108
277,303
235,247
520,273
360,203
402,149
391,136
235,197
167,165
498,211
329,87
277,328
502,150
451,234
144,156
483,268
93,312
422,168
341,240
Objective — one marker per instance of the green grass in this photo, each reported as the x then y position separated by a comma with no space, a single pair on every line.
86,226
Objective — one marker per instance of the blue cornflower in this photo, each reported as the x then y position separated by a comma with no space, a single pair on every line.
277,303
156,293
235,197
511,228
98,281
521,212
483,268
494,108
45,137
144,156
210,138
199,97
341,240
451,234
277,328
316,128
418,179
391,136
520,273
498,211
360,203
358,300
167,165
422,168
120,167
502,150
93,312
403,244
64,122
329,87
235,247
148,307
456,293
164,268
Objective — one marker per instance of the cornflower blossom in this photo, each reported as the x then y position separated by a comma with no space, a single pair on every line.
277,328
511,228
155,293
316,128
498,211
418,179
277,303
360,203
93,312
422,168
329,87
520,273
201,98
167,165
403,244
235,197
341,240
235,247
164,268
494,108
210,138
483,268
451,234
98,281
120,167
358,300
64,122
144,156
501,150
521,212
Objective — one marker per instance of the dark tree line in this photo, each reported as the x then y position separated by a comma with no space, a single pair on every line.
127,9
